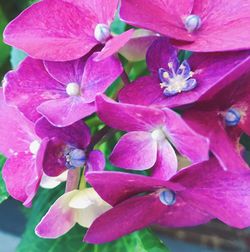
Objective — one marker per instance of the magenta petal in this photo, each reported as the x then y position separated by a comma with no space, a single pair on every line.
19,171
166,162
58,220
98,76
53,30
77,134
16,132
128,117
135,150
96,161
159,54
114,45
54,161
64,112
36,174
208,124
224,195
144,91
165,17
28,81
187,142
183,214
211,77
223,28
66,72
115,187
127,217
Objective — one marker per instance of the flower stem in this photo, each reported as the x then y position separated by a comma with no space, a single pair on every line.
72,179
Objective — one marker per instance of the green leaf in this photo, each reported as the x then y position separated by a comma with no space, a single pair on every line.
141,241
16,56
3,193
4,49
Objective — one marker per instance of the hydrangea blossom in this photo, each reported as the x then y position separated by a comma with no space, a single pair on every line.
193,196
66,148
73,100
65,91
150,131
24,150
62,30
173,83
203,26
223,118
77,206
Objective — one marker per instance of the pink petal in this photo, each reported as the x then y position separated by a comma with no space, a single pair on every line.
114,187
166,162
58,220
66,72
114,45
135,150
31,80
98,76
64,112
144,91
128,117
77,134
165,17
19,172
96,161
127,217
35,175
53,30
221,144
54,160
224,195
187,142
223,26
183,214
16,132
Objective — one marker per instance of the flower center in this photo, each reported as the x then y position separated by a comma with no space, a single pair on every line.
73,89
167,197
34,147
177,79
192,23
158,135
232,117
75,158
102,33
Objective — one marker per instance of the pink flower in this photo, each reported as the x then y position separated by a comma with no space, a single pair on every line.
77,206
206,25
62,30
223,118
193,196
150,132
63,92
22,171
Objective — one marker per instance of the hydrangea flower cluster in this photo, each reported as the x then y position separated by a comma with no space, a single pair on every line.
71,95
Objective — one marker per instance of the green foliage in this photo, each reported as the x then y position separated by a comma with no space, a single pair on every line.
141,241
3,192
118,26
4,49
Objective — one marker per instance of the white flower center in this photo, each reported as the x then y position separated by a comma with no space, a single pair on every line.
102,33
158,135
73,89
34,147
192,23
